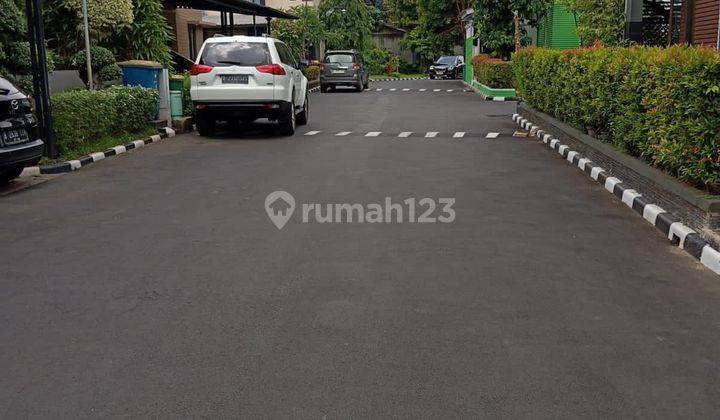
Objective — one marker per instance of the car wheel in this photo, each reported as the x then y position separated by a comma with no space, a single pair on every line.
205,125
432,77
367,84
302,117
8,174
323,88
288,121
359,86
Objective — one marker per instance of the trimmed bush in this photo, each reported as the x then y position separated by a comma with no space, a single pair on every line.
312,73
82,116
99,58
377,60
493,72
110,73
660,105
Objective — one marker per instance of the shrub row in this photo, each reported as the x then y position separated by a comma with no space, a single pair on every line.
492,72
82,116
312,73
661,105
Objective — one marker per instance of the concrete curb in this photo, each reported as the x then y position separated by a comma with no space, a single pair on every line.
400,79
482,94
74,165
686,238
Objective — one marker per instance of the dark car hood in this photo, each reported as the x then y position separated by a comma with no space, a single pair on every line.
9,92
440,66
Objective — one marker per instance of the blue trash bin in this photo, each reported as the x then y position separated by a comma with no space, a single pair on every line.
142,73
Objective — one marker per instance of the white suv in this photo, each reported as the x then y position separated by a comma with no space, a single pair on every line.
239,79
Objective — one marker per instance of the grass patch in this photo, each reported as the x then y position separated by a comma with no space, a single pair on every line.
100,145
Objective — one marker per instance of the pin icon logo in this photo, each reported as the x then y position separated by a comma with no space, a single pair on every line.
279,206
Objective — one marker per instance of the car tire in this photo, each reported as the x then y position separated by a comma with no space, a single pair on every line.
323,88
205,125
367,84
8,174
288,121
432,77
302,117
359,86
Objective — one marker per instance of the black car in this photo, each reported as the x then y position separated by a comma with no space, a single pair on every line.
344,68
19,142
447,66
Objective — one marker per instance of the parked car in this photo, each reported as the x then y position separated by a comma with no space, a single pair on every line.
344,68
243,78
447,66
20,145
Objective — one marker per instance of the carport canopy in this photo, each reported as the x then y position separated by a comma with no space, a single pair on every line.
241,7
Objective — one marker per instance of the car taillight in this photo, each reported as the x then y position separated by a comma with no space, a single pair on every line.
357,66
200,69
275,69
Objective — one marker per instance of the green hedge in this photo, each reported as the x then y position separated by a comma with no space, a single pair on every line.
82,116
661,105
312,73
493,72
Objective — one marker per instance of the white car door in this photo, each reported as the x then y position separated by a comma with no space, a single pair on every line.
294,74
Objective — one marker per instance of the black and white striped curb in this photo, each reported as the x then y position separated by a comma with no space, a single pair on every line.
74,165
669,225
428,90
406,134
392,79
471,88
315,89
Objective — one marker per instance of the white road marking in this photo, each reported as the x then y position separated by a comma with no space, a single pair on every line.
459,135
437,90
406,90
378,90
492,135
393,90
431,134
450,90
423,90
405,134
312,133
343,133
373,134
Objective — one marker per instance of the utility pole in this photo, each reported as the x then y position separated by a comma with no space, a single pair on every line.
88,59
518,38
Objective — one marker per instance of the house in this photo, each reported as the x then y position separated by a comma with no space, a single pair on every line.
193,21
390,38
700,22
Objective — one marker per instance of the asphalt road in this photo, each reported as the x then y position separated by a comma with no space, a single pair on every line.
153,284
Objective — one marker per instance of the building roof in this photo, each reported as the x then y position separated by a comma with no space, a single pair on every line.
242,7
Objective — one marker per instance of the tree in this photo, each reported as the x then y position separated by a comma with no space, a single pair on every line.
600,20
15,61
494,22
435,25
348,23
148,37
301,33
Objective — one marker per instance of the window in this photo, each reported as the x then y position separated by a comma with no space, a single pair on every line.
248,54
340,59
285,54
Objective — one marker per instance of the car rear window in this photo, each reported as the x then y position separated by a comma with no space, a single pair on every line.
340,58
236,54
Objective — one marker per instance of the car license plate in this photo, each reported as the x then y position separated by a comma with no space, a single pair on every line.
338,71
11,137
238,79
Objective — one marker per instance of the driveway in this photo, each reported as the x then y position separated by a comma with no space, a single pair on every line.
153,284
